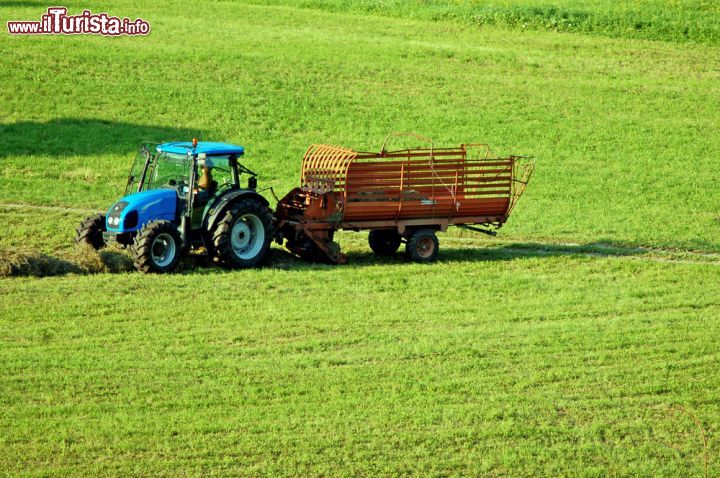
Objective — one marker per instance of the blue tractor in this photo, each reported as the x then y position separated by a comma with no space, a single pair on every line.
182,197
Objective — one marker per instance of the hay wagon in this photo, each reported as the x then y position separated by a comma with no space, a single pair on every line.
404,195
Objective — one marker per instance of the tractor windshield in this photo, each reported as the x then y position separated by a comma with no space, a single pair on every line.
169,170
142,160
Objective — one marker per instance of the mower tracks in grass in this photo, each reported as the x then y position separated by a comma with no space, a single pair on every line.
455,248
45,208
600,250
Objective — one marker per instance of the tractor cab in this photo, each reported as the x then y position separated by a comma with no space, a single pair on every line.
188,188
210,167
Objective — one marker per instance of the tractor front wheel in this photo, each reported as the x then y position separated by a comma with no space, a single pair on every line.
157,247
91,231
242,237
384,242
423,246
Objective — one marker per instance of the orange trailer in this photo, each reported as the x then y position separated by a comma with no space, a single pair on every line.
404,195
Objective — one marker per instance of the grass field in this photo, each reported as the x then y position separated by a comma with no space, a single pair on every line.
581,341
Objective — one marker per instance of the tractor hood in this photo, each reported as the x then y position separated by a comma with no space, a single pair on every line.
132,212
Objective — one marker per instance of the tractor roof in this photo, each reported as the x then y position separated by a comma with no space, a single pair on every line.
210,149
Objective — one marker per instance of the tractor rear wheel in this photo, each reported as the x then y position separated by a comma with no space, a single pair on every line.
242,237
384,242
91,230
157,247
423,246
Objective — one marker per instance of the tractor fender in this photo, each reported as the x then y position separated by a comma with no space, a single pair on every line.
221,204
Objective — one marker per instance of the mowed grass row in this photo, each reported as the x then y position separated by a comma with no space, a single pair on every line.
668,20
622,129
525,366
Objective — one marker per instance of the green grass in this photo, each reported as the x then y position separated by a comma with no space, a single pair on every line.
534,365
670,20
563,347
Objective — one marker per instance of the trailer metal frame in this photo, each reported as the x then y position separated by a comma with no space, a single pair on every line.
403,189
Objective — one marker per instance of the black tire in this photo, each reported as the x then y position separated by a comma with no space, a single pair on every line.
246,218
423,246
91,231
384,242
157,247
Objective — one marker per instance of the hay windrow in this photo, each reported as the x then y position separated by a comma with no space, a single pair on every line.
81,260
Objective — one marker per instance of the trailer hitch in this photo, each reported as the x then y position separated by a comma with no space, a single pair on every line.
477,229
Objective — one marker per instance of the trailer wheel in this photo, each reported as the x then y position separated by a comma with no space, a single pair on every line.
91,230
423,246
242,237
384,242
157,247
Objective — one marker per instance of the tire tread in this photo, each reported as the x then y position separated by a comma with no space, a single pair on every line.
87,232
412,243
142,246
221,233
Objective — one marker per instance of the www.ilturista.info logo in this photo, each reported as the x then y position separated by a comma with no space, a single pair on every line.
57,22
